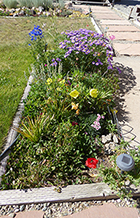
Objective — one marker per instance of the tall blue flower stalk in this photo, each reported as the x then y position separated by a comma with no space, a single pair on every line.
37,45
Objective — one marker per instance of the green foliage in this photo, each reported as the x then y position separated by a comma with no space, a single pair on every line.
4,13
59,151
36,3
61,3
16,59
10,3
65,112
26,3
32,129
118,181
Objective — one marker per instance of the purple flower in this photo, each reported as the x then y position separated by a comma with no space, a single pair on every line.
58,59
118,69
54,64
69,82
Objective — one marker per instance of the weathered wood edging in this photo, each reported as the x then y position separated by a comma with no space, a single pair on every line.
71,193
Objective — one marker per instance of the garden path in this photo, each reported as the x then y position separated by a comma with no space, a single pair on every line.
127,42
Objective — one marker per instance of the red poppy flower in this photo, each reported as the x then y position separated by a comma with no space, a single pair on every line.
74,123
91,162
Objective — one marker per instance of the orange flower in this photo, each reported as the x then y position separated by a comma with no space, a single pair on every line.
77,112
74,106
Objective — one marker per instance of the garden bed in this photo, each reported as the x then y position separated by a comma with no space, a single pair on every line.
66,115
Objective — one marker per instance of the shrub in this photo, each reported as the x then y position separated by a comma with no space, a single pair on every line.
26,3
10,3
43,3
61,3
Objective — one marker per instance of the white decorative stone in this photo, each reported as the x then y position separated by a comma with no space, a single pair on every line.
115,139
107,138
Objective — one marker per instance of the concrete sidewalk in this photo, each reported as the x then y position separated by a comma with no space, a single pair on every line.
106,211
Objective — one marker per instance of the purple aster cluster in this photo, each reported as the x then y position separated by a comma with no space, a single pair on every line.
88,42
55,61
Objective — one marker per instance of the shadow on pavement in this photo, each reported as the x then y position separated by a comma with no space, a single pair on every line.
127,81
127,2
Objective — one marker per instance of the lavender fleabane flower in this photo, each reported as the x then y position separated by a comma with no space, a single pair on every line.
58,59
54,64
118,70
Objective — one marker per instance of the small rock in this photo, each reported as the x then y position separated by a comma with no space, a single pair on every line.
10,211
12,215
38,207
17,210
107,138
44,208
119,200
115,139
22,207
65,214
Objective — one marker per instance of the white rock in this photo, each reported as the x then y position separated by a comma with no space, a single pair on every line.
115,139
119,200
107,138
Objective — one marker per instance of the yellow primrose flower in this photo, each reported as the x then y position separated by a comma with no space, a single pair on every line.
74,94
62,81
94,93
74,106
59,89
49,81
